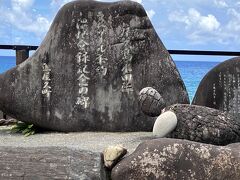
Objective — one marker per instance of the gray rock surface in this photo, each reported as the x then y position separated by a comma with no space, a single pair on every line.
203,124
60,155
173,159
49,163
88,71
151,102
220,88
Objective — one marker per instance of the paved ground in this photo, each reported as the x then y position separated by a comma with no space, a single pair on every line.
92,141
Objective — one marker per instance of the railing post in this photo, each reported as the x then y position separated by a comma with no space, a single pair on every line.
21,55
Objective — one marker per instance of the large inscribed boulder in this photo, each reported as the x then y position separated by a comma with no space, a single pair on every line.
220,88
88,71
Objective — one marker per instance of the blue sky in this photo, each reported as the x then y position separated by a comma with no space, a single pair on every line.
181,24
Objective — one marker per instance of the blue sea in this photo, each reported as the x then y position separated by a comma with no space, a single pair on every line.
192,72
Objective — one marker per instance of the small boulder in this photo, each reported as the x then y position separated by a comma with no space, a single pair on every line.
113,154
175,159
165,124
151,102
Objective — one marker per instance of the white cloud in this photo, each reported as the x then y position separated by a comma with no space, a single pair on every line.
151,13
209,23
194,20
21,4
20,16
234,24
207,29
199,28
220,3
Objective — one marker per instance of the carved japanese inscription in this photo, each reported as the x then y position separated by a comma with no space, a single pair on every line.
101,58
46,81
220,88
127,77
82,60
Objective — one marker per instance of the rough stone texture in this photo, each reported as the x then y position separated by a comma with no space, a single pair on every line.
49,155
151,102
203,124
220,88
172,159
88,71
165,124
49,163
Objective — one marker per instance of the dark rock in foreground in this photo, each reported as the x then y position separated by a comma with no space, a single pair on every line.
88,71
220,88
206,125
179,159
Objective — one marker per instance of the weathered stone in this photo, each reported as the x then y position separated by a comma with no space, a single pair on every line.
165,124
203,124
87,73
179,159
151,102
49,163
112,154
220,88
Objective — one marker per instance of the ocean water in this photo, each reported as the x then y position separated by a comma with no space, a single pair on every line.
192,72
7,62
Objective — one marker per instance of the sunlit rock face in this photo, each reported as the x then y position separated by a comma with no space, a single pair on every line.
164,158
88,71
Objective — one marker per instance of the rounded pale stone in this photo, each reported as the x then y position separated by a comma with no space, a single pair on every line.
112,154
165,124
151,102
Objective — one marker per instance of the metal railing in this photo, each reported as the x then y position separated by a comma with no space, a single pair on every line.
206,53
18,47
24,49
